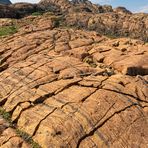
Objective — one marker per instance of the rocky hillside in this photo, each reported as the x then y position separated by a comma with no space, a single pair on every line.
85,15
63,84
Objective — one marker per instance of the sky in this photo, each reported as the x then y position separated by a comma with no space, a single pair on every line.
132,5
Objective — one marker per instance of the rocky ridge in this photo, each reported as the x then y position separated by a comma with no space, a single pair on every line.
69,87
86,15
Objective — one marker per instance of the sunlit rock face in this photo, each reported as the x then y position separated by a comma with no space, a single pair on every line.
7,2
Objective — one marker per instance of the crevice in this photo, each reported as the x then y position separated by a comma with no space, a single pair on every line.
4,67
19,103
8,140
21,91
67,86
37,127
16,120
2,101
43,98
97,88
48,95
40,100
84,99
139,101
11,92
143,80
126,94
97,126
67,103
137,93
100,85
4,59
50,81
85,74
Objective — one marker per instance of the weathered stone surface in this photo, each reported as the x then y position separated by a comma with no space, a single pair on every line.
73,88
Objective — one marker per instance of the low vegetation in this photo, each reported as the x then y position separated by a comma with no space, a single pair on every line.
7,30
27,138
38,13
20,133
58,21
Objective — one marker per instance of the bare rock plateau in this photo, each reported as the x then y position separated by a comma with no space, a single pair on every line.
66,82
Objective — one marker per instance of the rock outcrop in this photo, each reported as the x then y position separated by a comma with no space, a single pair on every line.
23,9
67,87
112,24
7,12
17,10
122,10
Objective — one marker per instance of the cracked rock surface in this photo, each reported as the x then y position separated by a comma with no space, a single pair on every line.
9,138
73,88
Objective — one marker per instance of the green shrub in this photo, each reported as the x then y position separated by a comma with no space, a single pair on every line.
37,13
7,30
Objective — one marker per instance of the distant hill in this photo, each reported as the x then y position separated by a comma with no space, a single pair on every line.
7,2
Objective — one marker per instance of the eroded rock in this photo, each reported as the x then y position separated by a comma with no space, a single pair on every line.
73,88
